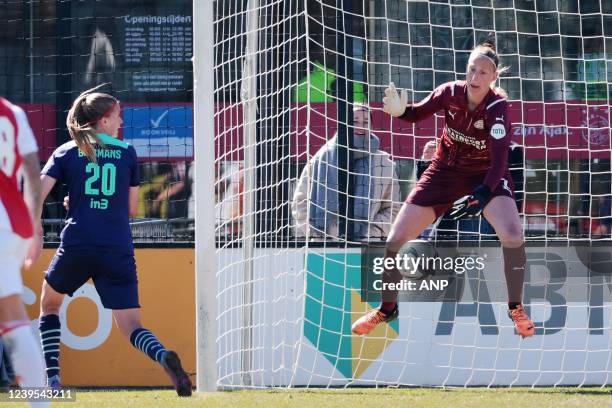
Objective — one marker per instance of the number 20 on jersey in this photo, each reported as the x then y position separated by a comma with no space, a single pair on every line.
100,183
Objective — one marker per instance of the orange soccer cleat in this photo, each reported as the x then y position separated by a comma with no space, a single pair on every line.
366,323
523,325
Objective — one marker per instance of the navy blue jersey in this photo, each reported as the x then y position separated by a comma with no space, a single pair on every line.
98,214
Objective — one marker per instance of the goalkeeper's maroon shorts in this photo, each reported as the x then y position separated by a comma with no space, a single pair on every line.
440,186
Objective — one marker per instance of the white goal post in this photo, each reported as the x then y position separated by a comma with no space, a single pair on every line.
206,263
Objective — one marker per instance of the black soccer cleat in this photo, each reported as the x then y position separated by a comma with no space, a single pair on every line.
172,364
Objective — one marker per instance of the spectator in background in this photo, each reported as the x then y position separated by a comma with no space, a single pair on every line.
176,192
604,214
229,193
429,151
315,205
191,199
154,176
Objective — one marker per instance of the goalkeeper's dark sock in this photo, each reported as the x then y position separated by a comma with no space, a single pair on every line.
50,332
387,307
514,269
391,275
146,342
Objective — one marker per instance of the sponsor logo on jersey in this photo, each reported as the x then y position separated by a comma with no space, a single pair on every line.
479,124
469,140
498,131
505,185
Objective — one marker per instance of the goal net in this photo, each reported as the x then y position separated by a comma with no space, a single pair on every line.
301,188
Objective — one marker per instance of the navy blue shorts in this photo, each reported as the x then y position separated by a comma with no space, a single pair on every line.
113,274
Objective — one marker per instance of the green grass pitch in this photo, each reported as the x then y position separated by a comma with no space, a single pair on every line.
351,398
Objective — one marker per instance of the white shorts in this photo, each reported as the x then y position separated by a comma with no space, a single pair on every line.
13,250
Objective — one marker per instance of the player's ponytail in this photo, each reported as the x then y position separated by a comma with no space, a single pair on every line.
490,42
86,111
488,49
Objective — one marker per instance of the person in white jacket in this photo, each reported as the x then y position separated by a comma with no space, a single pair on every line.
376,191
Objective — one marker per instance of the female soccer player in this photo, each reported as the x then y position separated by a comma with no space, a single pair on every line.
101,173
469,173
18,241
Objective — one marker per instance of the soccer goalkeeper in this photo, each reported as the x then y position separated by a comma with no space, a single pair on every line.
469,173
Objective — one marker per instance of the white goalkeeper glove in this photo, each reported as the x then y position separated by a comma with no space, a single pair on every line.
393,104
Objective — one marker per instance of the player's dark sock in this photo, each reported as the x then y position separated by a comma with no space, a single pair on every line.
50,331
514,269
392,275
388,307
146,342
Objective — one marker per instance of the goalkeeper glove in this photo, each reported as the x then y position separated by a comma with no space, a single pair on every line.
471,205
393,104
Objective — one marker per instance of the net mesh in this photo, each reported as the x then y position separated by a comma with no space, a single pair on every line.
288,75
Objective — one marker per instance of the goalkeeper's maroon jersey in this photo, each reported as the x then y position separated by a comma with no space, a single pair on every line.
472,142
